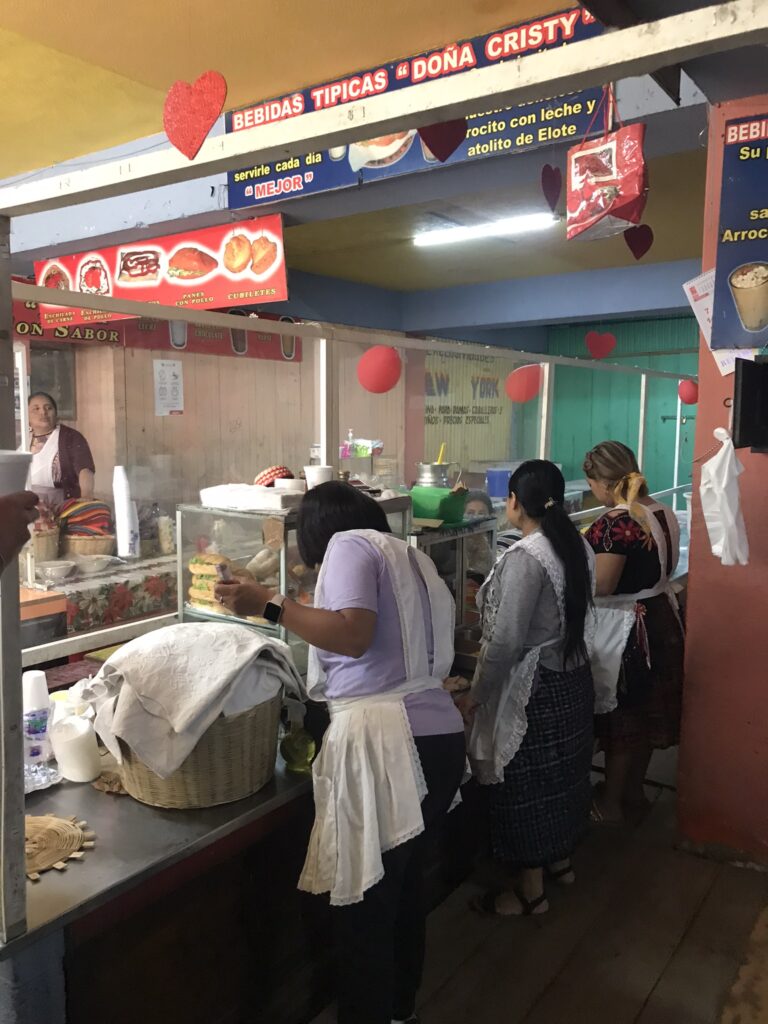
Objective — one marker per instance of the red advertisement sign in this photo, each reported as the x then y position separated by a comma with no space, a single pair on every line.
207,269
217,341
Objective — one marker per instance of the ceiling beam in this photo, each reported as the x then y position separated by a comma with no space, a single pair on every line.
625,53
616,14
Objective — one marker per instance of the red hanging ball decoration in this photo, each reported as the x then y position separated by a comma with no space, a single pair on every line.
688,390
379,369
524,383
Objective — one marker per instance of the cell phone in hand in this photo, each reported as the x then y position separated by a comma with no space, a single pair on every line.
224,573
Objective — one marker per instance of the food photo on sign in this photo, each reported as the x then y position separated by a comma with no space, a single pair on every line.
207,269
740,316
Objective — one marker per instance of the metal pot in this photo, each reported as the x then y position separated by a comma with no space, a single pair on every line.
435,474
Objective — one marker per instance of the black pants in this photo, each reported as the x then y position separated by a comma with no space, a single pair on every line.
380,941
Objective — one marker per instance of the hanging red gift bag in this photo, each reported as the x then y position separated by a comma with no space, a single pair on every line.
607,181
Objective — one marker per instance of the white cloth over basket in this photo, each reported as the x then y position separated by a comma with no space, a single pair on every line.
368,779
174,682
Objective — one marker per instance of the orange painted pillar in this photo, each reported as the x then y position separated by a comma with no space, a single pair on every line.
723,784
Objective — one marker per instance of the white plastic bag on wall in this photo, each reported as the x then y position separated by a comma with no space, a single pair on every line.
720,503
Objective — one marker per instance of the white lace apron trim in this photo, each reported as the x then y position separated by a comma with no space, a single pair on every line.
368,779
500,724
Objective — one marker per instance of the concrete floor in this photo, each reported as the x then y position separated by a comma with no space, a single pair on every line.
648,935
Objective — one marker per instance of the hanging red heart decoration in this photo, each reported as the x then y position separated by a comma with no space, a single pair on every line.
688,390
551,185
190,111
379,369
524,383
600,345
639,239
442,140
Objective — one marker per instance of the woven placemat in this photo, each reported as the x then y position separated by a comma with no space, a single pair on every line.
49,842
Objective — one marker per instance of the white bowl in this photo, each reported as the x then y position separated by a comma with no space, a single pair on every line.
89,565
53,572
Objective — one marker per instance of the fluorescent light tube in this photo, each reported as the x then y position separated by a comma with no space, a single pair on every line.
505,228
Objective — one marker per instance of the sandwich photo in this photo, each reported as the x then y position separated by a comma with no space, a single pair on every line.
189,263
381,152
56,277
139,265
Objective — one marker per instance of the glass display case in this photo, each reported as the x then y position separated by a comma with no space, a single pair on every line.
261,545
463,555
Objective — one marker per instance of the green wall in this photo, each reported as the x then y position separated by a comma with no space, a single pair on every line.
591,406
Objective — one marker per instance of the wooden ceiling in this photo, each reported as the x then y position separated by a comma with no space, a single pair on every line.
79,77
377,248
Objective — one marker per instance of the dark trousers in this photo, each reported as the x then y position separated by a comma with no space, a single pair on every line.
380,941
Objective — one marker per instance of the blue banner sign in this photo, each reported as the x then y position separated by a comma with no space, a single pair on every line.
740,316
492,133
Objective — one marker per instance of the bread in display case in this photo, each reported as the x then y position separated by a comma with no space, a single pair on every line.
255,546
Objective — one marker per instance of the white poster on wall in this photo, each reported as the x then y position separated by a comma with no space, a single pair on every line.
169,387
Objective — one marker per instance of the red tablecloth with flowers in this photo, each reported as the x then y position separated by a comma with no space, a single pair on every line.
147,587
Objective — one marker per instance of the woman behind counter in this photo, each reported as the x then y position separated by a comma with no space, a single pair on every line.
531,703
381,636
637,662
62,464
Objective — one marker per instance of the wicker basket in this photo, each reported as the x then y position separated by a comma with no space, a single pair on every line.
87,545
233,760
46,545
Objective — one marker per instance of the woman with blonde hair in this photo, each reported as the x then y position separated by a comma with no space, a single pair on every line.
637,660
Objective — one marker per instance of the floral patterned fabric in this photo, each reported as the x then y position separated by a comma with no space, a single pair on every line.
128,593
619,534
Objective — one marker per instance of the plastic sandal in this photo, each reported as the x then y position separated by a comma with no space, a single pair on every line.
486,904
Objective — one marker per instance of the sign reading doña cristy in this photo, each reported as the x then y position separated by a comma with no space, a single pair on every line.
207,269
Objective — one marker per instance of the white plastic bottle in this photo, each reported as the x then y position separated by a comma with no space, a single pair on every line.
38,773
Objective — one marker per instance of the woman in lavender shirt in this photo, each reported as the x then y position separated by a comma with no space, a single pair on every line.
381,639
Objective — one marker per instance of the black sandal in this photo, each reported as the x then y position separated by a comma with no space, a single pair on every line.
486,904
561,874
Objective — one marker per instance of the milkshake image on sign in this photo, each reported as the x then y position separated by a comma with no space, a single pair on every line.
749,287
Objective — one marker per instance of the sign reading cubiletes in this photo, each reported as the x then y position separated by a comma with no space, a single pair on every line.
493,133
740,317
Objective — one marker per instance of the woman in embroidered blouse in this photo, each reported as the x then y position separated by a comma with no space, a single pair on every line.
531,704
638,653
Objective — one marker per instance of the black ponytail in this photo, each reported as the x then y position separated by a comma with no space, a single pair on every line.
539,486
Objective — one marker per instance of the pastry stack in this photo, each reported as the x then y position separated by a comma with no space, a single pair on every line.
204,579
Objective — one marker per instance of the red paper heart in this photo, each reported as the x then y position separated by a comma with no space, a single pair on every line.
190,111
639,239
551,185
600,345
442,140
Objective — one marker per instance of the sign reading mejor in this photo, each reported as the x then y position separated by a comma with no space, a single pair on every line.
740,317
492,133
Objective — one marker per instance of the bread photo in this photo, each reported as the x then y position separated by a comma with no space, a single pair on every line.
263,255
237,254
188,263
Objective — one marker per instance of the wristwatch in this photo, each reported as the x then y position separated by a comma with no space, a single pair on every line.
273,610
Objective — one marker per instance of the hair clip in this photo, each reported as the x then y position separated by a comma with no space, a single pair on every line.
549,503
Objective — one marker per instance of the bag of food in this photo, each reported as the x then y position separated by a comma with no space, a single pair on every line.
607,183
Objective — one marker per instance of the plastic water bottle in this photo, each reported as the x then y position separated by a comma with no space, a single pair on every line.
38,773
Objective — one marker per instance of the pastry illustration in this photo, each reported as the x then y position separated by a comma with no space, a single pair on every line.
139,265
56,277
94,278
263,255
237,254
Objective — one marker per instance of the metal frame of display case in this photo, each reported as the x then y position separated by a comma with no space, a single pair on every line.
426,539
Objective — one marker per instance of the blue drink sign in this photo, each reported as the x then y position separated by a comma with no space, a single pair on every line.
493,133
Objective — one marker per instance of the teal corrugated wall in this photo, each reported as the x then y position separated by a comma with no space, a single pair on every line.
591,406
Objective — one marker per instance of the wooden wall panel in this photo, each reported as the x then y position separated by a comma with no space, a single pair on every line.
376,417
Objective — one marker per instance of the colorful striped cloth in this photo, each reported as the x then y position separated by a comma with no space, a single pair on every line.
83,518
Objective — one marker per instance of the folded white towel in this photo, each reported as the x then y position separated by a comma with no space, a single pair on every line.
175,682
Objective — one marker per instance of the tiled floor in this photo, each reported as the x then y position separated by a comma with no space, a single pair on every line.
649,935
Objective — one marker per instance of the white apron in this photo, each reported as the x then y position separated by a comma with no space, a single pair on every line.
500,724
368,780
615,615
41,470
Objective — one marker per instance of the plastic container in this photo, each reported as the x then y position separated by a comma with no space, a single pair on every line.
36,704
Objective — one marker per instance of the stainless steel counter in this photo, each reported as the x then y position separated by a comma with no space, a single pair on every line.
133,842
